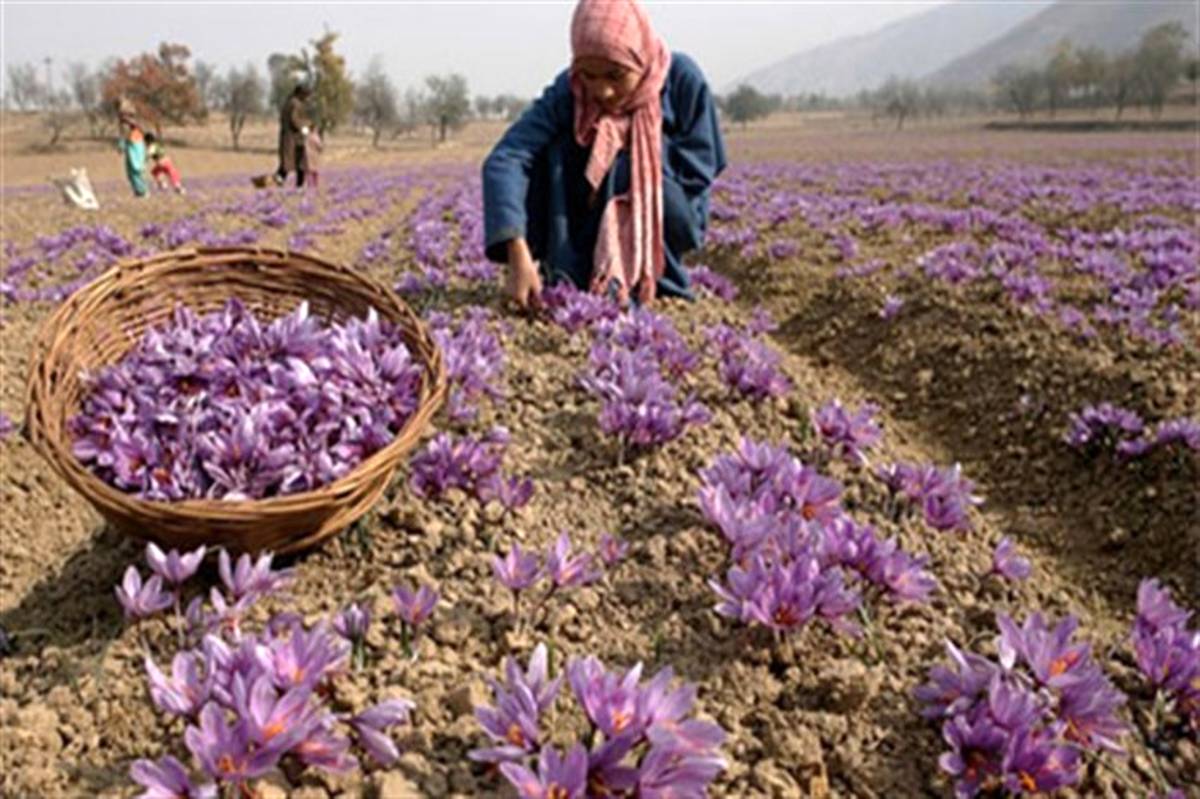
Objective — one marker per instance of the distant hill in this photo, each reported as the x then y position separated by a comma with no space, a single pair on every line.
911,47
1112,27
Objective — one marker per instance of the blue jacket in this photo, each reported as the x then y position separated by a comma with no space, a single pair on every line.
534,184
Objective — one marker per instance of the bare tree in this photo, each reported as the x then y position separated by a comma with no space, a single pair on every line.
24,88
241,95
208,84
85,91
58,116
449,103
411,113
1019,88
1091,65
375,101
1120,81
1159,62
1059,75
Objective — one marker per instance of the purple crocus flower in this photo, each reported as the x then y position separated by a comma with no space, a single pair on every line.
175,569
568,571
304,658
371,727
1035,764
353,622
224,750
612,549
520,702
845,433
1156,610
609,699
513,493
323,748
1054,660
168,779
953,690
186,690
414,607
517,570
891,307
661,711
1007,563
667,773
139,599
250,577
557,777
976,756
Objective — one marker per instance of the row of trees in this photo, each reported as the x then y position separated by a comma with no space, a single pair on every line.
1088,77
169,90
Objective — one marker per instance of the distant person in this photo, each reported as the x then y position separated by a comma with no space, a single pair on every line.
293,130
132,144
164,171
312,158
605,179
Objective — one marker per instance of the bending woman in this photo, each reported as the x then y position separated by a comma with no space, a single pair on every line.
604,180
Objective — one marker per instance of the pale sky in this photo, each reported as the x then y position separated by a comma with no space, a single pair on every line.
501,46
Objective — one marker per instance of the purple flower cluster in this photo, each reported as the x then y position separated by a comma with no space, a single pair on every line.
471,465
574,310
844,434
224,407
641,739
1096,428
746,364
1168,652
1020,723
713,282
652,336
252,701
944,495
520,570
793,550
81,251
637,404
474,360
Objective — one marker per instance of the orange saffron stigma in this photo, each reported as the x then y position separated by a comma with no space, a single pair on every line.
515,736
1063,663
786,617
621,720
556,791
1028,782
273,729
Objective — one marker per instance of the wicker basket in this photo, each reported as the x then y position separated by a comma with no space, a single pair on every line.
101,322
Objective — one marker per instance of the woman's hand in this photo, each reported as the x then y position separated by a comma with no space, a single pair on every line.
523,284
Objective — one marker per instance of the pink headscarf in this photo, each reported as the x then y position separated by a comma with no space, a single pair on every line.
630,246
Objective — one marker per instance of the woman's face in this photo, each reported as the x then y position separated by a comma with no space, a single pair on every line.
607,82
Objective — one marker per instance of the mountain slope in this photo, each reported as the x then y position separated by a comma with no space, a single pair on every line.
910,47
1112,27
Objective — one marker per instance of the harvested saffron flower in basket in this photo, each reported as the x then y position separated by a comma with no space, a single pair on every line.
227,406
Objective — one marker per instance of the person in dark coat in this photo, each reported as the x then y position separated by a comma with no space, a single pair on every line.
293,130
605,179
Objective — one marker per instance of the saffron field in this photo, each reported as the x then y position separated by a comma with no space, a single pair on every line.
904,504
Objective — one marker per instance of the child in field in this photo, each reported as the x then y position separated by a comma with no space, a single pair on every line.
312,158
163,171
132,145
605,180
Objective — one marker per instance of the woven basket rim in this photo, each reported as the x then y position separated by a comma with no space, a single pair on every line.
62,324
